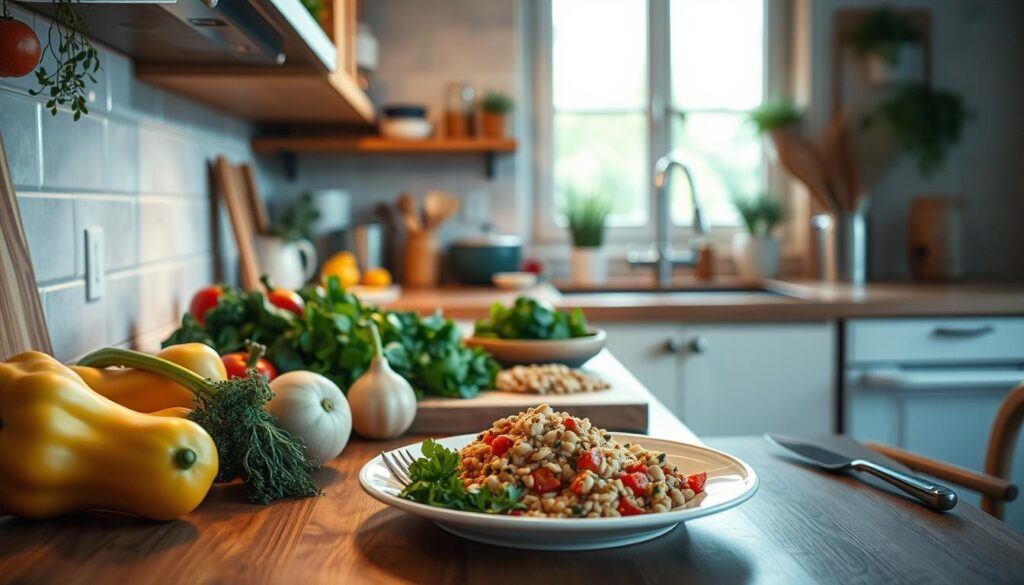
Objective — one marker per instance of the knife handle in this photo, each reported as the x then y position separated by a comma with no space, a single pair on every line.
933,495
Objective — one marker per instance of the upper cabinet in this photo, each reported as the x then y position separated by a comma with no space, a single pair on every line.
263,60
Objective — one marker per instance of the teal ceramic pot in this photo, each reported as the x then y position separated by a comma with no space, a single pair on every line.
474,261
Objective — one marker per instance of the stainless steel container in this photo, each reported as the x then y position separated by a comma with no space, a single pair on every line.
368,245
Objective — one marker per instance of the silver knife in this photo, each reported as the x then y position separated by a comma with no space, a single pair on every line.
933,495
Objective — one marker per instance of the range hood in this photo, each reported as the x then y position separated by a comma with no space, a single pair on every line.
208,32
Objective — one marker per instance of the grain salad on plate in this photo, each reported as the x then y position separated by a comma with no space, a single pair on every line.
564,467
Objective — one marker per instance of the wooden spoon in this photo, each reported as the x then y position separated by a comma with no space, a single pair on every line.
804,162
438,207
408,208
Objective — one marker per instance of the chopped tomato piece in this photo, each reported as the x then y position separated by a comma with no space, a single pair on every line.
591,460
577,483
667,470
570,424
515,513
697,481
544,481
500,445
488,437
627,508
637,482
635,467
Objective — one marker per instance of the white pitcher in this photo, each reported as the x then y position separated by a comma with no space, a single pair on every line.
286,264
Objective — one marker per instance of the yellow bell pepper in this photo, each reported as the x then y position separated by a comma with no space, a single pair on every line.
148,392
65,448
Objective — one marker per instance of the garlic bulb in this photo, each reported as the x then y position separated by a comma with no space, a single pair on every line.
383,403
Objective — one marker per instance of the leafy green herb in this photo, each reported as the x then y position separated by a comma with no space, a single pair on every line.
77,60
774,114
761,214
296,222
529,318
435,482
587,215
927,122
496,102
332,337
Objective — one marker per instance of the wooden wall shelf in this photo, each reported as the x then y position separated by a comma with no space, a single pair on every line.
289,146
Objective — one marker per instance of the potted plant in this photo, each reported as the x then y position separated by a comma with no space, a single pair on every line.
587,215
925,121
757,251
888,47
774,117
494,107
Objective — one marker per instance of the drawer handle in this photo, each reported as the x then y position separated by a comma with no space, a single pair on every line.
963,332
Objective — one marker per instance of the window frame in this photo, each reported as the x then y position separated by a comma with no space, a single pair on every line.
546,231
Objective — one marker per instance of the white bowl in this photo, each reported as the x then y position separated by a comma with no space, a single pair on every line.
572,352
730,482
406,128
514,280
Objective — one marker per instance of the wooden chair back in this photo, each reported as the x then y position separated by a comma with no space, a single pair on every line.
1001,444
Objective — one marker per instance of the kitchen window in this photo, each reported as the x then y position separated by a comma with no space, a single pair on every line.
621,82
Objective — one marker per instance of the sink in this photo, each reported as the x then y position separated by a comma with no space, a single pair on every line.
687,292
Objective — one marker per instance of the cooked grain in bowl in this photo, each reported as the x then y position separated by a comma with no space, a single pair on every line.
571,468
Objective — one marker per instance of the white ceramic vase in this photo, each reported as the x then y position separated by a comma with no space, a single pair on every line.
756,256
589,265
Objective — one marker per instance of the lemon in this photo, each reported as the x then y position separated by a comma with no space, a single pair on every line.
379,277
342,265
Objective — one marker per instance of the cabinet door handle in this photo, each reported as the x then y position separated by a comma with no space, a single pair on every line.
698,345
962,332
673,345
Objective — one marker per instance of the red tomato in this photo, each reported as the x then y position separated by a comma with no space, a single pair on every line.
569,423
515,513
203,301
697,481
667,470
288,300
577,484
19,48
544,481
591,460
488,437
237,363
533,265
500,445
635,467
637,482
627,508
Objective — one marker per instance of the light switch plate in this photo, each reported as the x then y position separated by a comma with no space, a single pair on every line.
95,269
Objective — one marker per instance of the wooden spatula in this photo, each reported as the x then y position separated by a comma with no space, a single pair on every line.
804,162
22,322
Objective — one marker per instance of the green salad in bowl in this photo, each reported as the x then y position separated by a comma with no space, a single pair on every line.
532,331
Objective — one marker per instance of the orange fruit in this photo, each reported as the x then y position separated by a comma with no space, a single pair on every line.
379,277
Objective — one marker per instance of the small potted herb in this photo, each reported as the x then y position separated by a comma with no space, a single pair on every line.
494,107
926,122
757,252
587,215
888,46
776,114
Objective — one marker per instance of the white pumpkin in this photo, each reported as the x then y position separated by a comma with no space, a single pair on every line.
312,408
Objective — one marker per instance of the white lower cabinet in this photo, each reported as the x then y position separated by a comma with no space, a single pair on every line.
736,378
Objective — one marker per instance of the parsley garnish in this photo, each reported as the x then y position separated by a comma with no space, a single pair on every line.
435,481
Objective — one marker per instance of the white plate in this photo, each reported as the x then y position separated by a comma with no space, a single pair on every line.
730,482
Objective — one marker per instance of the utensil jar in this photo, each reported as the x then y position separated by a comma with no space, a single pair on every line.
421,260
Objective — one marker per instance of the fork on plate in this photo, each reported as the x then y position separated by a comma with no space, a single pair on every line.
398,464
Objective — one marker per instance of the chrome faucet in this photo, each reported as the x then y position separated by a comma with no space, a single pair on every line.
664,257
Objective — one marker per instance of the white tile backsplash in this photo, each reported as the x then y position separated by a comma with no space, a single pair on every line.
19,126
139,174
49,224
74,153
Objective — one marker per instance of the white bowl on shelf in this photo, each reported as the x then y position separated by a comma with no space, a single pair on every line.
406,128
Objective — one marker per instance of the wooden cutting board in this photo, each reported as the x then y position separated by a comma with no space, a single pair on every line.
623,407
22,324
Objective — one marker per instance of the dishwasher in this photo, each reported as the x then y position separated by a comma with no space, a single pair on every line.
933,386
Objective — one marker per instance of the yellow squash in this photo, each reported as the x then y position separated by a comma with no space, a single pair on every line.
148,392
65,448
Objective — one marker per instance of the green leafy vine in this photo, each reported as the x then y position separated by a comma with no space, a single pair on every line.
77,60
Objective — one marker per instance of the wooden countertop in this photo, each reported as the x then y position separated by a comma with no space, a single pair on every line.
736,300
803,526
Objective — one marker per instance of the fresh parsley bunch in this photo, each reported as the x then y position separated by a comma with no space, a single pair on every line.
435,482
529,318
332,337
